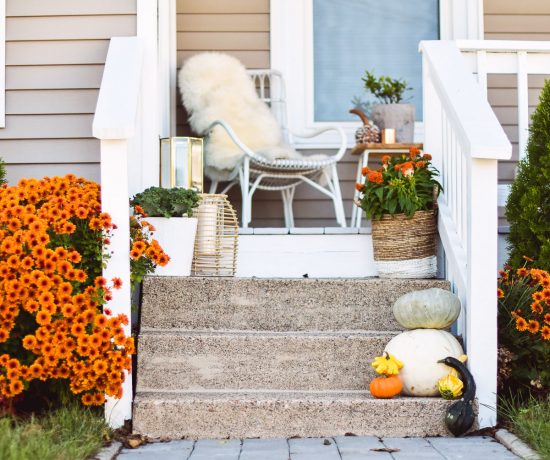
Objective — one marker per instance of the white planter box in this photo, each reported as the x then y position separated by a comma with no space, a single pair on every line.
176,235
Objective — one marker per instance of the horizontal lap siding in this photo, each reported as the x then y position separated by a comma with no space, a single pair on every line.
55,53
513,20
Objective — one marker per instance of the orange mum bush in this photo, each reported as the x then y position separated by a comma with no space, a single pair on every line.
52,323
524,326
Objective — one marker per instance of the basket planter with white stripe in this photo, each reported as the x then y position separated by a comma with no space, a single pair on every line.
405,247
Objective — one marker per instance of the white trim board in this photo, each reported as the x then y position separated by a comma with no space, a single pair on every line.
318,256
291,26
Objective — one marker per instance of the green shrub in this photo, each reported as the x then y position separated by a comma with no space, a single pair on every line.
166,202
528,206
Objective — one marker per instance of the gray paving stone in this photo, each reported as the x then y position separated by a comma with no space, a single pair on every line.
412,449
211,449
264,449
471,448
359,447
173,450
313,449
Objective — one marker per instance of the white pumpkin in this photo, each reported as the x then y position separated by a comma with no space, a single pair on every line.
427,309
419,350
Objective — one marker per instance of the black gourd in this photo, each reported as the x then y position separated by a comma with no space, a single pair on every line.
460,415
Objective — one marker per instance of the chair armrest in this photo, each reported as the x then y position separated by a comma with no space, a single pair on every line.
233,136
343,139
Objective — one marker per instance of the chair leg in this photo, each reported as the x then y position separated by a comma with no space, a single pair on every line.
244,177
338,203
288,196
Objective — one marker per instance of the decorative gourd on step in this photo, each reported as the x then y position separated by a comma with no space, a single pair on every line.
427,309
389,385
420,350
369,133
461,416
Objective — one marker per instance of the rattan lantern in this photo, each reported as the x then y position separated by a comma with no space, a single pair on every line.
217,237
181,162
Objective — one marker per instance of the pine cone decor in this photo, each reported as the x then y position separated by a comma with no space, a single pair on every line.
369,133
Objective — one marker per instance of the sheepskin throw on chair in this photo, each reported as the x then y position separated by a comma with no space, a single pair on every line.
216,86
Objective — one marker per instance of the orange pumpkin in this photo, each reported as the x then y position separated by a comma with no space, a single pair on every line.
386,387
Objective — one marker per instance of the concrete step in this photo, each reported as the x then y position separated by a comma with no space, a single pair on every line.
241,414
195,360
275,304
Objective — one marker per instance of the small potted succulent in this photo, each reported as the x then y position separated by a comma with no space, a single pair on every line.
400,198
170,213
391,112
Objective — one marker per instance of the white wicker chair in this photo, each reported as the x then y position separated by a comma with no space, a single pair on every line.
257,173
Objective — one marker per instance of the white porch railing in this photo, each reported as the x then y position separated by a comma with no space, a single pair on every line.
518,58
465,139
115,125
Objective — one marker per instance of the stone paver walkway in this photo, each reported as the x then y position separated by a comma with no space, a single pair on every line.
338,448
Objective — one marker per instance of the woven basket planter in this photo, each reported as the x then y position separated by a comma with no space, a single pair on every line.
405,247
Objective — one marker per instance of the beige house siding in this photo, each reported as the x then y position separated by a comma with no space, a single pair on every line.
55,52
512,20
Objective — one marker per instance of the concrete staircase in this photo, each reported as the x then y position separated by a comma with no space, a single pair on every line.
244,358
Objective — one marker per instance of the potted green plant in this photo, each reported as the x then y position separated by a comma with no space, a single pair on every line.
400,198
170,212
391,111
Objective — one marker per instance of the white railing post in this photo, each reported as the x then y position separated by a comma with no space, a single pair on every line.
466,141
114,200
481,317
115,125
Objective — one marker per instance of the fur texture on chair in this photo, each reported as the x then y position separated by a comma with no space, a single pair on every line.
216,86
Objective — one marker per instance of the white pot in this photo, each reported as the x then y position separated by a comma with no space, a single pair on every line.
176,235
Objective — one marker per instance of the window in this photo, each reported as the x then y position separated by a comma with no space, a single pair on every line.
316,44
350,36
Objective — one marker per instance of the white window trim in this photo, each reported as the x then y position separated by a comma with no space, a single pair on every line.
2,63
291,25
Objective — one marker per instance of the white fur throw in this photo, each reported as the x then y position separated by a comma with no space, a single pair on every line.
216,86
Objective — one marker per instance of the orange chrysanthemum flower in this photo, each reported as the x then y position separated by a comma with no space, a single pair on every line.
521,324
533,326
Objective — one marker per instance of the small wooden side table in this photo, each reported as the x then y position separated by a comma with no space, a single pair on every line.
365,152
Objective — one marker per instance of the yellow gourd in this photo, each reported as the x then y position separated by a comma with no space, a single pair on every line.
387,364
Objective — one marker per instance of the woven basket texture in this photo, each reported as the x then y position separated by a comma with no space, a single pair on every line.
399,237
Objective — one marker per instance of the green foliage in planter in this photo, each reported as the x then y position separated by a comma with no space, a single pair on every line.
386,89
528,206
166,202
404,184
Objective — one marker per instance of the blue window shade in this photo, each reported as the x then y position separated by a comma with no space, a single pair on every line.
351,36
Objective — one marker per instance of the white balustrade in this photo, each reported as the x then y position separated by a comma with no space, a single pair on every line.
466,140
115,122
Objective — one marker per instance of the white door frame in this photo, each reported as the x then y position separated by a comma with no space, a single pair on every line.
291,26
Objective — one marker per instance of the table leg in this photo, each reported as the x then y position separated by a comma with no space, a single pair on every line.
357,213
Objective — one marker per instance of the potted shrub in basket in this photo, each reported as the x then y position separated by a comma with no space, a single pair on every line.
170,213
391,112
400,198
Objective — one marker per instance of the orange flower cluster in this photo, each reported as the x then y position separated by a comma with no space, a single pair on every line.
141,245
50,311
535,320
